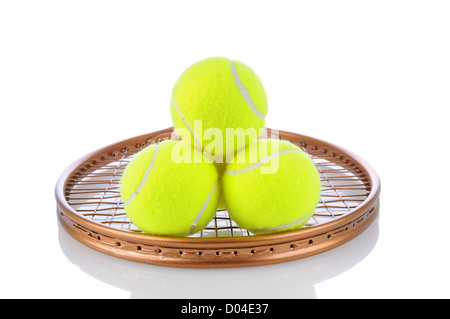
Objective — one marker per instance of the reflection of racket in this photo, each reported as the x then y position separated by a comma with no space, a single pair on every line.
90,209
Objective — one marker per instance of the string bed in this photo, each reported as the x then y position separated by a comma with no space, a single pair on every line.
95,194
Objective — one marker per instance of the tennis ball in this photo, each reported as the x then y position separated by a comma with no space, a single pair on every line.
271,186
215,94
163,195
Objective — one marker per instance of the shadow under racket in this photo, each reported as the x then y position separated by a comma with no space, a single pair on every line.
293,279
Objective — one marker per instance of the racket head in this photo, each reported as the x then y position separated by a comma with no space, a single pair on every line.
89,208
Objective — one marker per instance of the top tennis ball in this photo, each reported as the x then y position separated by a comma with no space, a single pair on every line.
213,95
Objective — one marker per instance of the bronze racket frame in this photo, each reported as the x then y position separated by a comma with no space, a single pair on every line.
89,208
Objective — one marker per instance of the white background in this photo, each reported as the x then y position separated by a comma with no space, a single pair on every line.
370,76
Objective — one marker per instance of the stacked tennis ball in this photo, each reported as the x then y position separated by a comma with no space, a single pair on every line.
165,196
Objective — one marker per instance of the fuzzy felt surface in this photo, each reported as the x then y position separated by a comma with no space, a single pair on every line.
261,202
173,194
207,91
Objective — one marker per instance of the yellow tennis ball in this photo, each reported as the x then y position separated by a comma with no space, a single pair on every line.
271,186
165,193
215,94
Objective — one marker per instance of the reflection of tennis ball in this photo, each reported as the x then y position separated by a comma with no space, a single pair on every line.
163,197
273,187
213,95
